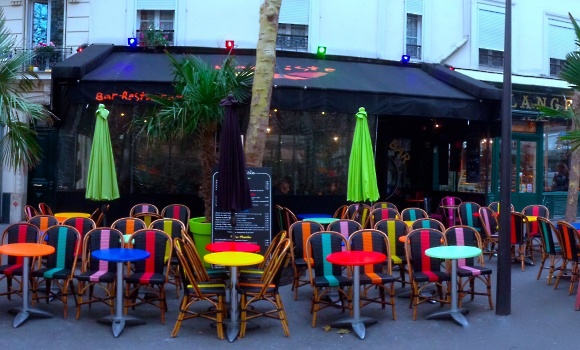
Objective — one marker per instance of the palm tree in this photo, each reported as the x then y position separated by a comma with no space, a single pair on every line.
571,73
195,110
19,147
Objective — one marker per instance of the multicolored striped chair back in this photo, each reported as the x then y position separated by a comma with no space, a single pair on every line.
547,233
535,210
319,245
382,214
466,215
128,226
412,214
177,211
83,225
143,208
43,222
30,212
462,235
97,239
488,221
341,212
300,231
66,241
417,242
153,241
428,223
360,213
21,232
173,227
568,237
394,228
371,240
518,224
344,226
383,205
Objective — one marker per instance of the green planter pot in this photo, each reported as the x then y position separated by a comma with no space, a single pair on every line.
201,231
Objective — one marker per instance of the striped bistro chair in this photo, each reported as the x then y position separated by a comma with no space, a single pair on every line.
203,273
128,226
412,214
21,232
395,228
175,229
518,225
59,266
96,272
299,233
198,289
345,227
256,273
466,268
428,223
533,231
143,208
324,276
373,275
469,215
83,225
551,248
265,289
29,212
424,270
43,222
384,205
149,273
289,218
382,214
177,211
568,237
45,209
447,210
490,229
361,214
341,212
495,206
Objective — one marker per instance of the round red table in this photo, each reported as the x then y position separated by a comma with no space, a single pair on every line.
26,250
218,247
356,258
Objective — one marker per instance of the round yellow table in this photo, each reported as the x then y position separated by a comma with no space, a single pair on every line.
233,260
63,216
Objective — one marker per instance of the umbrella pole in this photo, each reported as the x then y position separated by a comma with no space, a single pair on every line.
233,223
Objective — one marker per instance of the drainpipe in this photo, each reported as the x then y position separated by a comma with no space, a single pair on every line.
454,49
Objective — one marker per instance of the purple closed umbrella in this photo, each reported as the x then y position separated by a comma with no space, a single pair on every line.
233,193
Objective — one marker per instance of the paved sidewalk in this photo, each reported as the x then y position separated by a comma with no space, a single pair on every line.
541,318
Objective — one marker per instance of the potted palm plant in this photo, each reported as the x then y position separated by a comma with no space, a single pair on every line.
195,111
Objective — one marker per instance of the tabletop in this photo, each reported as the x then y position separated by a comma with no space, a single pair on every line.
26,249
63,216
120,254
322,221
453,252
233,258
313,215
217,247
356,258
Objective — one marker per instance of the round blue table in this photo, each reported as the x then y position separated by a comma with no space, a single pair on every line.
120,256
308,216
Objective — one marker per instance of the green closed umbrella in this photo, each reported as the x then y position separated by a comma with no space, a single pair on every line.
102,176
362,176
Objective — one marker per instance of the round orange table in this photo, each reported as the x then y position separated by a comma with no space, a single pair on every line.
246,247
356,258
233,260
26,251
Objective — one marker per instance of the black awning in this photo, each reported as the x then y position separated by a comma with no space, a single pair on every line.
300,83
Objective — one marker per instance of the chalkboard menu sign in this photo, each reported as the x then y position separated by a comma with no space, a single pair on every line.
472,166
252,225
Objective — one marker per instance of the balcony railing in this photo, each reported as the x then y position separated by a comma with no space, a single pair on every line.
44,59
292,42
414,51
157,36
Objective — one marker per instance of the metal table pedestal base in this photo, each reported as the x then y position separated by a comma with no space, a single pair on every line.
358,325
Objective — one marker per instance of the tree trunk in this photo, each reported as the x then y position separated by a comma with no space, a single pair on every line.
208,158
262,87
574,171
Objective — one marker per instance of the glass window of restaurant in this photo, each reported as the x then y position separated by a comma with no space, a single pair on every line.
556,160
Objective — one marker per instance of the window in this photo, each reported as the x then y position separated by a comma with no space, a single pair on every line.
561,38
414,28
491,24
293,26
556,151
162,21
47,22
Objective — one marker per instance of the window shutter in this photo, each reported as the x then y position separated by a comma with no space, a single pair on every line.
155,4
295,12
561,39
491,29
415,6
